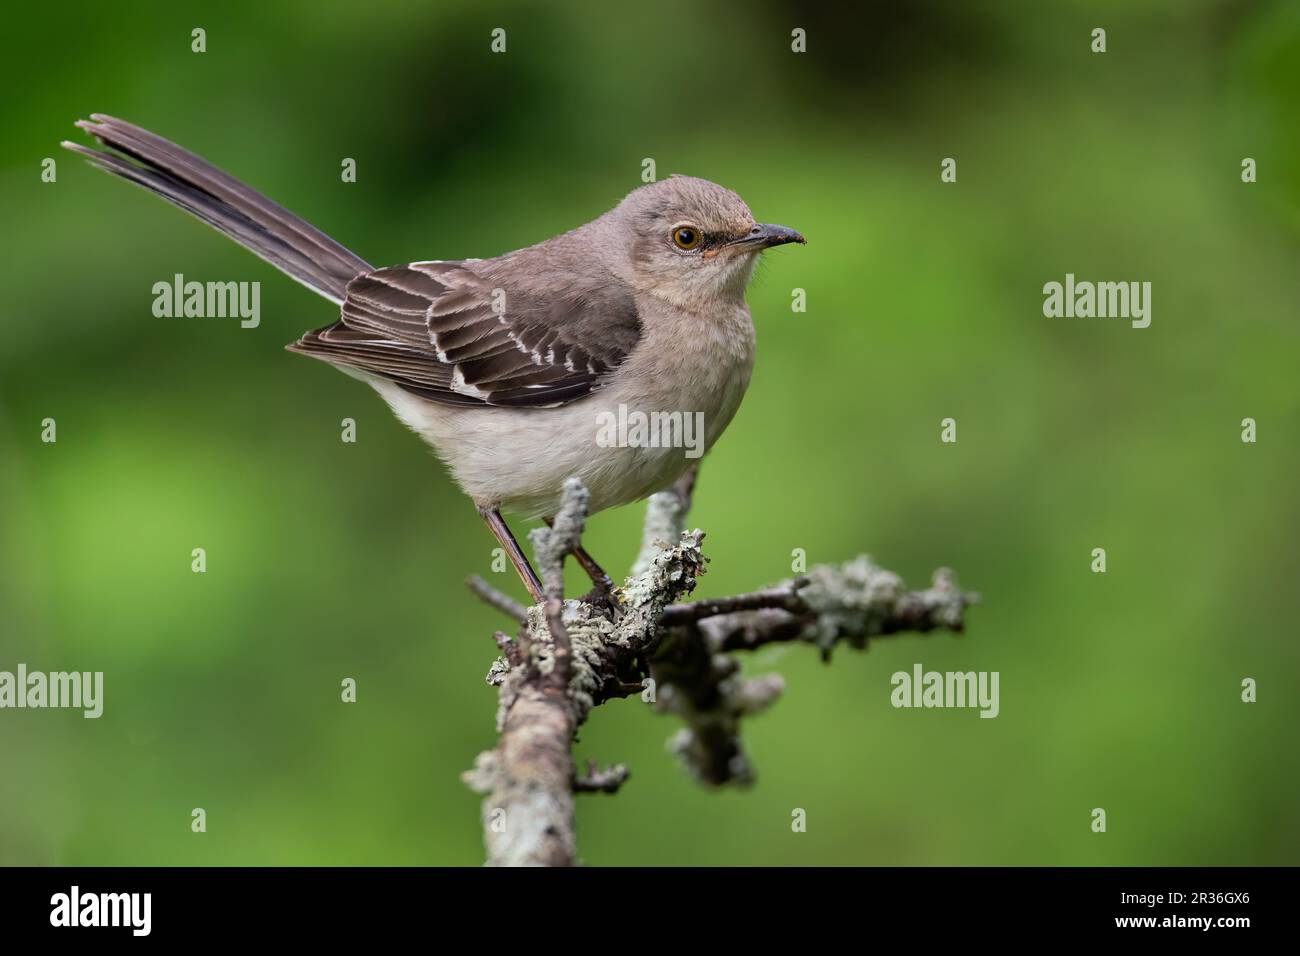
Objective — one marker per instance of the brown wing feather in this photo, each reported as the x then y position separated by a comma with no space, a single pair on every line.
461,333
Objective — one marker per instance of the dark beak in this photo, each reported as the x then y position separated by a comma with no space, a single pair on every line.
764,236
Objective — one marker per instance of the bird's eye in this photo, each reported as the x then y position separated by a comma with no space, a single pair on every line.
686,237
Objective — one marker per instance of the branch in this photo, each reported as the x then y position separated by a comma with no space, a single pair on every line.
494,598
552,544
665,518
596,780
853,603
571,656
783,596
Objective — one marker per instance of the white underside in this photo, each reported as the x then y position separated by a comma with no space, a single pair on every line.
518,459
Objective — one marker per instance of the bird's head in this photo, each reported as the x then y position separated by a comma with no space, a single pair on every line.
693,242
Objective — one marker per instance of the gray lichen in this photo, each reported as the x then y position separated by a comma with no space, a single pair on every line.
528,779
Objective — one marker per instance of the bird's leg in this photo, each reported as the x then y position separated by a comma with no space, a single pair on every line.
604,584
594,570
497,525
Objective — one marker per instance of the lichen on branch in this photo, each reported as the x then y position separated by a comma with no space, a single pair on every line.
571,656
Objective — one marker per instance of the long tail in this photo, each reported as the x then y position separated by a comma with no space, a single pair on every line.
223,202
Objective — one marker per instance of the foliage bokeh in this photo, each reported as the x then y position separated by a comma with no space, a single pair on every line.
328,560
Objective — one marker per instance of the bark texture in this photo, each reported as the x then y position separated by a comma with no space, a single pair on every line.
570,656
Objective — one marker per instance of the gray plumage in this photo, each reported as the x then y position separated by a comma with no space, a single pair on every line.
198,187
506,365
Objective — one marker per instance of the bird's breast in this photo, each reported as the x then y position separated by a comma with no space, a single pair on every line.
659,411
694,362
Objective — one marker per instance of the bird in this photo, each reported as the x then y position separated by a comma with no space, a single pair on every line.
508,366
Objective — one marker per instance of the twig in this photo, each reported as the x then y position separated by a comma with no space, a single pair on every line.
784,596
552,544
564,534
596,780
494,598
851,603
665,518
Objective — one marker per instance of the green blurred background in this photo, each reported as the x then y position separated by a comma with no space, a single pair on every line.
328,560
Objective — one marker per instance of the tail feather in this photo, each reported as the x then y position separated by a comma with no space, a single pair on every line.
295,247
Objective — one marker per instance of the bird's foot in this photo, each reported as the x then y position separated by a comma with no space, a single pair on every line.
604,597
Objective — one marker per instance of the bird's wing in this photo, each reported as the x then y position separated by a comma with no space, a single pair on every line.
463,333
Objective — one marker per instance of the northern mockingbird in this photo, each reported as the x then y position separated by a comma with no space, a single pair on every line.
510,366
